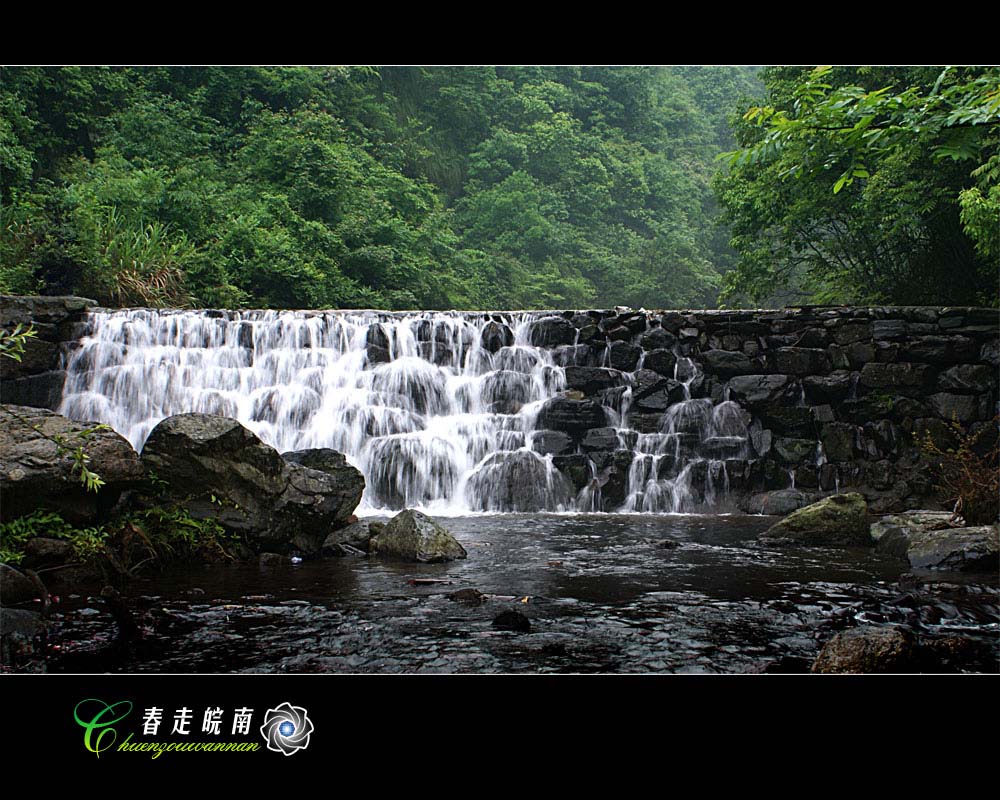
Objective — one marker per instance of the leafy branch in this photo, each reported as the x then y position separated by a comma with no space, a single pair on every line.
12,344
841,127
91,481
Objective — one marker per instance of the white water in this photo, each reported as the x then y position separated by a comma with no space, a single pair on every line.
445,426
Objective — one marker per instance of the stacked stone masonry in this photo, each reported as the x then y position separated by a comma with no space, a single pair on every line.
835,398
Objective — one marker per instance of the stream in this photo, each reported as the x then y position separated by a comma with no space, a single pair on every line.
604,593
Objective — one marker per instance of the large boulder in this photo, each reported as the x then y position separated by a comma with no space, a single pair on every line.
841,519
412,536
930,540
869,650
218,469
38,468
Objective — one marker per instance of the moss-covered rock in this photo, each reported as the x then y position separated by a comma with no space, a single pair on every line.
841,519
412,536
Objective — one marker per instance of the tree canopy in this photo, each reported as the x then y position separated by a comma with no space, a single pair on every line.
468,187
868,184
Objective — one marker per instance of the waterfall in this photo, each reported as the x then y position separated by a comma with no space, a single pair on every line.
437,409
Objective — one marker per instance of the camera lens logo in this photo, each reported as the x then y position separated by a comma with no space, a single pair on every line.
286,729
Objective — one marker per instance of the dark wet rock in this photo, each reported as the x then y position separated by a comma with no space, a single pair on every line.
624,355
852,332
839,440
496,335
412,536
940,349
761,441
15,587
660,396
801,360
256,492
521,481
889,329
928,540
643,380
600,439
646,423
512,621
990,353
272,560
19,622
757,389
613,477
960,407
841,519
591,380
323,459
552,443
728,363
869,650
888,376
43,390
953,654
885,434
635,321
667,544
356,536
37,472
377,344
571,416
781,501
468,597
658,339
795,451
576,467
822,414
882,405
44,552
795,421
18,627
968,378
552,331
616,333
570,355
661,361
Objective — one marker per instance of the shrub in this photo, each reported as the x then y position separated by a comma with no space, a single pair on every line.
970,473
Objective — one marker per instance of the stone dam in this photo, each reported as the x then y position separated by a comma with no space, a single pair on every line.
760,411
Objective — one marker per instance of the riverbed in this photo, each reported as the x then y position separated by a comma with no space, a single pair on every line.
603,593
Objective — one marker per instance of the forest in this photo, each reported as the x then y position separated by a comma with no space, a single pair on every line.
501,188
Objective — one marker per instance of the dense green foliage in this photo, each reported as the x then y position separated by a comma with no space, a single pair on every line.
868,184
472,187
157,534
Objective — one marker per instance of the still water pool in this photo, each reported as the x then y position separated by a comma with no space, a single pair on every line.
603,593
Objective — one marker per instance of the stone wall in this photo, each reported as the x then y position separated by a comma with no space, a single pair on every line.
837,397
833,397
37,380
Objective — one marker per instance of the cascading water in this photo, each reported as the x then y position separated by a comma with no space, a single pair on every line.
439,410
